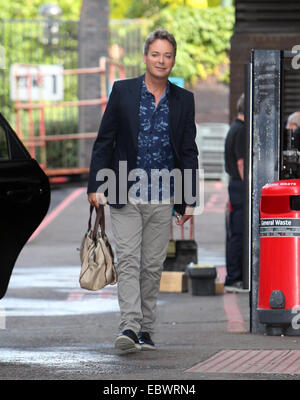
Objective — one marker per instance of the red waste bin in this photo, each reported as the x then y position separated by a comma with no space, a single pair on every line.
279,270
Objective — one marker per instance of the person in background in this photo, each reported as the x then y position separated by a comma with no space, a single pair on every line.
235,146
293,123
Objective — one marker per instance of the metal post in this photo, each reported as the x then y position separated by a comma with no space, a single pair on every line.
247,179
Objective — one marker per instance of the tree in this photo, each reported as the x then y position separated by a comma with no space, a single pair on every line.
203,38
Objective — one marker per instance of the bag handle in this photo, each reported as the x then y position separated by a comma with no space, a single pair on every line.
100,220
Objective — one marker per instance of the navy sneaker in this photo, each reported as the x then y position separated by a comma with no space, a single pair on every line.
146,342
127,341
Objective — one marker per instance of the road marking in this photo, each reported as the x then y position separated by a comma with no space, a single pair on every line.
219,185
221,271
57,210
235,320
216,203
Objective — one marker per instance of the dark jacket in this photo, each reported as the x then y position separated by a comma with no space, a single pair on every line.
117,138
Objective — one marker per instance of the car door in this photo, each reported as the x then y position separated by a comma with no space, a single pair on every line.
24,199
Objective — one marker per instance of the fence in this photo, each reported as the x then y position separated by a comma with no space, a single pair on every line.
30,114
210,141
36,42
51,132
126,39
31,42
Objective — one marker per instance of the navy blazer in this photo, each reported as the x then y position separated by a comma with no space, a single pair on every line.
117,138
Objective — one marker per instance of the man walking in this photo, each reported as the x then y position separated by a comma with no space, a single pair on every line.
148,126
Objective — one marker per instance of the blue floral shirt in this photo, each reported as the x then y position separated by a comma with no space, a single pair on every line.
154,148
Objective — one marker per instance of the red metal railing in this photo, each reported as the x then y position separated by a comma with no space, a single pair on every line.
107,69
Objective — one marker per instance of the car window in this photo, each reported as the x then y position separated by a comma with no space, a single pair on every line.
3,145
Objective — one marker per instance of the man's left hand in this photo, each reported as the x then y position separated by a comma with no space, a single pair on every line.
188,213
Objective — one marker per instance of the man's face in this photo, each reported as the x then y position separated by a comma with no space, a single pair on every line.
160,59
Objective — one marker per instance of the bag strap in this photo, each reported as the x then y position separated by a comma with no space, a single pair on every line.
100,220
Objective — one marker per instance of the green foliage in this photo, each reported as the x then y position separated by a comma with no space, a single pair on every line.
214,3
118,8
27,9
62,153
203,39
130,36
135,8
144,8
23,44
147,8
3,145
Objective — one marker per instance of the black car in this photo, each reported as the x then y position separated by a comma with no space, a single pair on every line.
24,199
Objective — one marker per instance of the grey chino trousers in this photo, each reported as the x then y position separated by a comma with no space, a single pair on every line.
142,233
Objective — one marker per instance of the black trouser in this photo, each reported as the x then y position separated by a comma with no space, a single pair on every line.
234,245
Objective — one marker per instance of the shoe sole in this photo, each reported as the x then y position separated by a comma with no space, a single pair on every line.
124,343
148,347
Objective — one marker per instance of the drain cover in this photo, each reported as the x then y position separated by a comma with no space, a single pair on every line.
251,362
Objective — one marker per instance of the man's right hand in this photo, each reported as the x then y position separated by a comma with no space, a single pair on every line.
96,199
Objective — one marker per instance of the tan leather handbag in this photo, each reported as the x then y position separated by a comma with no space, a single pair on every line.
96,255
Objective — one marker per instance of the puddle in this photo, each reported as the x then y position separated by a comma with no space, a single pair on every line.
50,277
59,280
54,357
41,307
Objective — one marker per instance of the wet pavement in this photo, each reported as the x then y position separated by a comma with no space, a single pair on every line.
50,329
64,297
